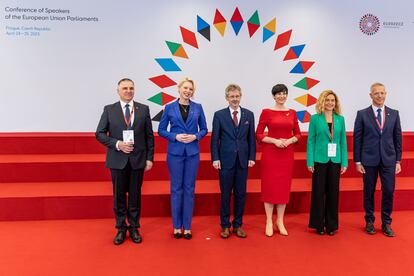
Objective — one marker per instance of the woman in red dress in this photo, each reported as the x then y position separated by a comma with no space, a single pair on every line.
277,156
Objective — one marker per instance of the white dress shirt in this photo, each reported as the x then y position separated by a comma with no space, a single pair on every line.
238,113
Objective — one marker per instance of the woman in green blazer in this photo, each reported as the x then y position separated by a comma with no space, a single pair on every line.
327,158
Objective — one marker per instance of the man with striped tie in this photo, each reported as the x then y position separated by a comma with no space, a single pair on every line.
378,151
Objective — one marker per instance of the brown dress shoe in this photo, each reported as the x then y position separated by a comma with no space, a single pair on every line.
225,233
239,232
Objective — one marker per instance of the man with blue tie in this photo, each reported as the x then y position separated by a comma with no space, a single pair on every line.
125,129
378,150
233,150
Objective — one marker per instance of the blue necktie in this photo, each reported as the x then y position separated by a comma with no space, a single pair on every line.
127,113
379,116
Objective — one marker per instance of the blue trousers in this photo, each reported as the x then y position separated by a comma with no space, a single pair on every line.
387,176
183,172
232,180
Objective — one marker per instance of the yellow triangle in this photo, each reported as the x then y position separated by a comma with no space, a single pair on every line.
271,26
221,27
302,99
180,52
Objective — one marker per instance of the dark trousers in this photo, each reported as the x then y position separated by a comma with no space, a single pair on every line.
387,176
232,180
127,182
325,194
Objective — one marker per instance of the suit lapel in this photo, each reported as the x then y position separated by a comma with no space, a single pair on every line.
322,121
372,117
191,112
119,113
242,119
335,123
228,120
136,115
176,109
387,118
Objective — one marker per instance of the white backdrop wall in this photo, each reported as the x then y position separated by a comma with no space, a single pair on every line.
58,75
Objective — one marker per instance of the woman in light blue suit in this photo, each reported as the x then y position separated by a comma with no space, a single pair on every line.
187,126
327,159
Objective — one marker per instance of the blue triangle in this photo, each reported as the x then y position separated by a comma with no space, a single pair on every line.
298,69
267,34
237,26
298,49
301,115
201,24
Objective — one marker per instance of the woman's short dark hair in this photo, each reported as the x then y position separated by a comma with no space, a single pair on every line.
279,88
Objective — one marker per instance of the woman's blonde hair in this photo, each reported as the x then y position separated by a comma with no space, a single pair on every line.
320,105
186,79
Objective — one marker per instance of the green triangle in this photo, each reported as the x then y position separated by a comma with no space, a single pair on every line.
173,46
254,19
302,84
156,99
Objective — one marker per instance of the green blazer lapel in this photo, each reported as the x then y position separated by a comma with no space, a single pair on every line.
324,124
337,127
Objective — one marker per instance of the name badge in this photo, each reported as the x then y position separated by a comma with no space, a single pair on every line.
331,150
128,136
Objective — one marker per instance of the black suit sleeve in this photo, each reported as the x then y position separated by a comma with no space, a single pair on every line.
398,138
102,130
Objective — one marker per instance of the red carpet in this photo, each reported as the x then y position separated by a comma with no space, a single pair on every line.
84,247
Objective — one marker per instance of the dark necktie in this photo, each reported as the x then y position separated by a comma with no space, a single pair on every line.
379,116
236,122
127,115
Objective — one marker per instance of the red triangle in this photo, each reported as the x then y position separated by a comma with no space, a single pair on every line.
236,16
283,39
218,17
311,82
311,100
306,117
290,55
252,28
166,98
189,37
306,65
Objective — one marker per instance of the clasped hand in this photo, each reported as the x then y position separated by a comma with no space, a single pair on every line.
126,147
282,143
185,138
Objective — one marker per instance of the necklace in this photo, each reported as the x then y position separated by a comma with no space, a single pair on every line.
184,107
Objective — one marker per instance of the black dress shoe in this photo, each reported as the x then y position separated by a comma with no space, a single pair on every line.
178,235
369,228
135,236
320,231
120,237
187,236
330,232
386,229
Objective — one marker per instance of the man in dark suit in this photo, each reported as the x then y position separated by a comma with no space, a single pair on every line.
378,150
233,150
125,128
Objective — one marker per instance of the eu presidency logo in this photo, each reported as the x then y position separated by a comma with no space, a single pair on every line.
369,24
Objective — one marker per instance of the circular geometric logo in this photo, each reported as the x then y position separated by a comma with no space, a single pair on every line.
281,41
369,24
